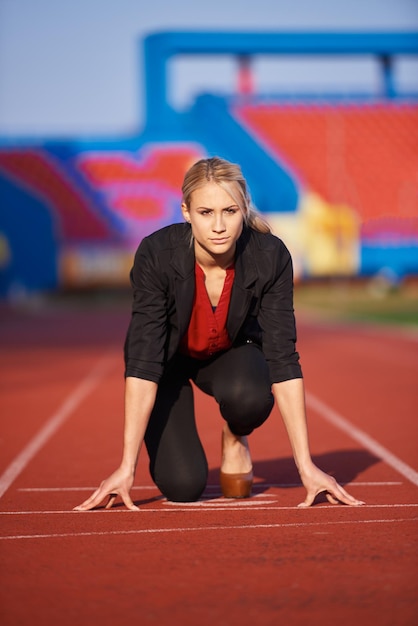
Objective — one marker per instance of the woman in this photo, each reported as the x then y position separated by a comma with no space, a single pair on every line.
213,303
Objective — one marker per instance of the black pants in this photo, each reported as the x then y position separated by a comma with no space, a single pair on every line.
239,381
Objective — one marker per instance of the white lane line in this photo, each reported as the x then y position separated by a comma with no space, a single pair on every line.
226,507
150,531
361,437
54,423
216,503
52,489
256,486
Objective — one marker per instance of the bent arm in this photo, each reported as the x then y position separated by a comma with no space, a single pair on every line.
139,401
290,398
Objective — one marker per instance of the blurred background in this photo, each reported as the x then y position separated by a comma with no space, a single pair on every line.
104,105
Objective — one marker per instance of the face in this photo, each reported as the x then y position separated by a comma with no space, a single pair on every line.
216,222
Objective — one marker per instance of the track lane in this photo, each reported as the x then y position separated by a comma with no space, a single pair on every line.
276,561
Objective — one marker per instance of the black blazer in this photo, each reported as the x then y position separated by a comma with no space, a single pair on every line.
261,307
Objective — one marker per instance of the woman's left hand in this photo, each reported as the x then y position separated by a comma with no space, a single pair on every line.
316,481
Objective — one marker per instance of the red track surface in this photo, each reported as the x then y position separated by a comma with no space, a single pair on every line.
257,561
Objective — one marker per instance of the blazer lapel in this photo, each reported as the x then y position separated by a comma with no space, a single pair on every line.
242,290
183,262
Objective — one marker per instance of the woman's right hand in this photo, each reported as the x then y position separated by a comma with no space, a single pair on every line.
118,484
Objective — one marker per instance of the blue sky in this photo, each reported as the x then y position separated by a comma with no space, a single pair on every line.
74,68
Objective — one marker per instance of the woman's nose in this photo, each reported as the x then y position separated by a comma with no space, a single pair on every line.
219,225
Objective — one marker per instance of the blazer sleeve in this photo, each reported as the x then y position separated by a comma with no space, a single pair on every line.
277,320
146,338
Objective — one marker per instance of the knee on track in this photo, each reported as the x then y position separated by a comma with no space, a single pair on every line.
187,489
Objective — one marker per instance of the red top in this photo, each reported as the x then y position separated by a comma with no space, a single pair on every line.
207,332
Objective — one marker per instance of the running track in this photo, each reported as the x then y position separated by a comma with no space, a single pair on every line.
257,561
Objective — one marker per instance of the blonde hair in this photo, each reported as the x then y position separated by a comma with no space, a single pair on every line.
228,176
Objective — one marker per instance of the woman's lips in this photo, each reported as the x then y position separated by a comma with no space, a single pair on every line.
220,240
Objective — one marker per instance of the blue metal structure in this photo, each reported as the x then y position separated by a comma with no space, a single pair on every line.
159,48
